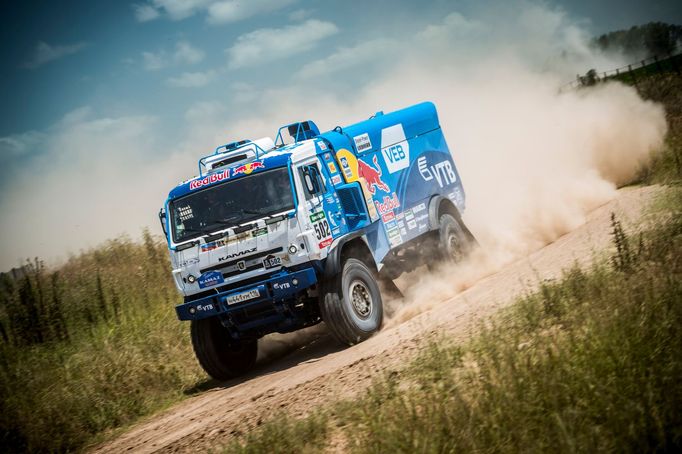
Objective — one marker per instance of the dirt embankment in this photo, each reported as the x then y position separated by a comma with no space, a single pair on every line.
320,371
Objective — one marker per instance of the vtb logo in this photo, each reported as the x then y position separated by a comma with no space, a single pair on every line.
441,171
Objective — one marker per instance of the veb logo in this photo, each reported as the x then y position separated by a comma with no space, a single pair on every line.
395,148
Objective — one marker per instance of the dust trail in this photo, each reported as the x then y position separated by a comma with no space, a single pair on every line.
551,160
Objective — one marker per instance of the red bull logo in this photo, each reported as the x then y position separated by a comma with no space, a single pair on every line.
248,168
372,176
210,179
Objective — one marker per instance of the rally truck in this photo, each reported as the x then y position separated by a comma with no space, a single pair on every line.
275,236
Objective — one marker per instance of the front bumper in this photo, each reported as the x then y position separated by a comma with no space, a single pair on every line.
252,305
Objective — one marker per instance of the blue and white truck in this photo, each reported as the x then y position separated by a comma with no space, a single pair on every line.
275,236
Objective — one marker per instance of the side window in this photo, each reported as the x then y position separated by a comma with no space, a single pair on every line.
312,181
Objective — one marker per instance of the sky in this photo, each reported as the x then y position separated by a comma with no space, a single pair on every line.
107,105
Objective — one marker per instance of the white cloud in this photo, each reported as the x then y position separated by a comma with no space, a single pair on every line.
18,145
154,61
145,12
180,9
267,44
185,53
350,57
235,10
217,12
45,53
192,80
454,26
300,14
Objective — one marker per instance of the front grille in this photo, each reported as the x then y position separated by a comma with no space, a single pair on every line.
220,266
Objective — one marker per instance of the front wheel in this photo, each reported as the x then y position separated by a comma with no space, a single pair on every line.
351,303
217,352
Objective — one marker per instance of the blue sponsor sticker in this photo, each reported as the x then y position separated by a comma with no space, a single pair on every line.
210,279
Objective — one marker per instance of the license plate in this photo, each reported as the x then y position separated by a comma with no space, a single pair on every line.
271,262
240,297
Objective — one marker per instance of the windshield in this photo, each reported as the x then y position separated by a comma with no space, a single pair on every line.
231,203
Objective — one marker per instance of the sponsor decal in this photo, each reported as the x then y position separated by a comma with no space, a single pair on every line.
336,231
421,217
259,232
204,307
187,262
317,216
244,296
336,180
388,204
272,261
442,172
400,215
332,167
281,285
417,208
403,232
331,219
409,215
394,237
362,142
411,224
388,217
248,168
321,226
394,148
213,245
423,227
185,213
210,279
322,145
210,179
237,254
372,176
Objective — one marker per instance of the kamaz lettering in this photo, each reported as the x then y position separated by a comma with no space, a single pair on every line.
237,254
330,212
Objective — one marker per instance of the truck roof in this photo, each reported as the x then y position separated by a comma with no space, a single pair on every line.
269,160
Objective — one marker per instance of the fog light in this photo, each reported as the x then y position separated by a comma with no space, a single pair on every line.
294,281
191,279
293,249
192,310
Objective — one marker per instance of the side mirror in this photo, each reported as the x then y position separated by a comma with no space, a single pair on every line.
162,219
311,178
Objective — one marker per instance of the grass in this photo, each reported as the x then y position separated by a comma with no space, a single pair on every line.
102,346
588,363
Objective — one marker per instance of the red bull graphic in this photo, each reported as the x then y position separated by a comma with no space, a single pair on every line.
372,176
210,179
248,168
388,204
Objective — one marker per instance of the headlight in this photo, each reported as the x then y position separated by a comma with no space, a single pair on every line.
191,279
293,249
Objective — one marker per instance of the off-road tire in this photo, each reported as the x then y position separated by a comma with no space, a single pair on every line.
454,244
217,352
349,322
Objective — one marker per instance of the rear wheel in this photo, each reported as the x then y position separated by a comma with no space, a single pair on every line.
351,303
218,353
454,245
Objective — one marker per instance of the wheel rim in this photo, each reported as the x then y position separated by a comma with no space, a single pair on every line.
360,299
454,246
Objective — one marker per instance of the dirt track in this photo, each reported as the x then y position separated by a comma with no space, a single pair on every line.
321,371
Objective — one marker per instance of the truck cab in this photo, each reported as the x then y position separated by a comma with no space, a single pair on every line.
275,236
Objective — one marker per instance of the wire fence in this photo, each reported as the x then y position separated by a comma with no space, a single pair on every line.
631,73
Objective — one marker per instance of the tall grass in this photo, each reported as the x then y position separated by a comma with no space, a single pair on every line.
89,346
589,363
